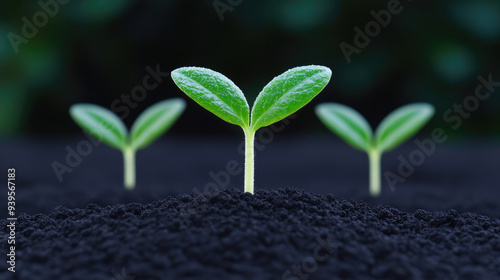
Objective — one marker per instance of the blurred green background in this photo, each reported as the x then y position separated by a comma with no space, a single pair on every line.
95,51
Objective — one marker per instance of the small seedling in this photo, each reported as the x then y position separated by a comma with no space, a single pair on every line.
108,128
283,96
395,128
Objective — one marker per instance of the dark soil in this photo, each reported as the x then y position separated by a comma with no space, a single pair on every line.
168,233
232,235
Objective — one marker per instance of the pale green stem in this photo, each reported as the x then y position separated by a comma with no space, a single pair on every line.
249,160
129,167
375,172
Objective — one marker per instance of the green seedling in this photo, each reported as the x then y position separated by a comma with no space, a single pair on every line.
283,96
108,128
395,128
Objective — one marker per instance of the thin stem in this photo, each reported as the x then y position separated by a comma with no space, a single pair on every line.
129,167
375,176
249,160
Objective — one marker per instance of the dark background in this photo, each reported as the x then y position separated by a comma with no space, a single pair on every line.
95,51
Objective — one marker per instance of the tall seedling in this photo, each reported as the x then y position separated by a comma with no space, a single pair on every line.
283,96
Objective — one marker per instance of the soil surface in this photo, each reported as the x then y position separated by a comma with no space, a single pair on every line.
464,178
442,222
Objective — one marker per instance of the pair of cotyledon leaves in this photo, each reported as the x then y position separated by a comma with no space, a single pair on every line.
281,97
107,127
394,129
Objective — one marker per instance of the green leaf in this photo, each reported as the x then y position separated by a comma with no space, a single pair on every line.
155,121
287,93
347,123
101,123
214,92
402,124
